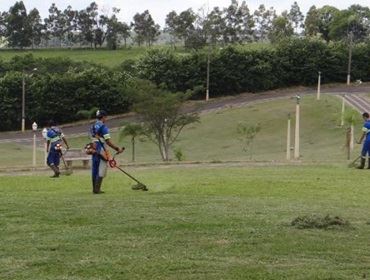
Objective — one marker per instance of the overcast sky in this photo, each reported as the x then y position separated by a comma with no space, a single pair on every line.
160,8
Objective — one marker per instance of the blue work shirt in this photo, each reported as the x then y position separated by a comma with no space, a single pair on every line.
54,135
99,134
366,129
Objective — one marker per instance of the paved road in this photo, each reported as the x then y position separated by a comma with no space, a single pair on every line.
352,96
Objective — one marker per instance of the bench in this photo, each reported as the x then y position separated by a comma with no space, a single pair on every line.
77,155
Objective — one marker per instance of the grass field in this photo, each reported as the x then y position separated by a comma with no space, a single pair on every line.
199,222
100,56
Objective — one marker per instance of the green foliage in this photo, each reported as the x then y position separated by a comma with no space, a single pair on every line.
59,92
179,155
161,113
132,130
87,114
247,134
234,69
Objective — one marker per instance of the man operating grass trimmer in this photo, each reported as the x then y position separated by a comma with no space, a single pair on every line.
100,154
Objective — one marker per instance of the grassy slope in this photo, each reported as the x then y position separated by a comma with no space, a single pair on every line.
215,138
101,56
194,223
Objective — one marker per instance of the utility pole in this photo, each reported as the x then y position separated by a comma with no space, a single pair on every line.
208,57
349,58
296,135
208,66
288,139
23,102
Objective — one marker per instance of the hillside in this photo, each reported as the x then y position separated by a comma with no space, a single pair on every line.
215,138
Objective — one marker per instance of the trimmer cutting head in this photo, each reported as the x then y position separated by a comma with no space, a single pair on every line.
139,186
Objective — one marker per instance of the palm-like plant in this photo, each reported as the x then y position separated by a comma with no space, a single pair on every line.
131,130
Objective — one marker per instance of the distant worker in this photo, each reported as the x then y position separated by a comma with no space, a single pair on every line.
366,146
100,153
54,137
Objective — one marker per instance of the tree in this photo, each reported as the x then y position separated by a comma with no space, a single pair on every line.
182,25
281,28
239,23
133,131
263,22
18,31
215,25
296,17
355,20
145,28
326,16
247,134
312,22
34,21
56,23
71,19
162,116
87,21
114,29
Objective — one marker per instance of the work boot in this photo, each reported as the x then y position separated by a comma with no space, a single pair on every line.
362,164
368,164
97,186
93,184
56,171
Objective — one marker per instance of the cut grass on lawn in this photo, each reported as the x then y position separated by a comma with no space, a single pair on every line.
195,223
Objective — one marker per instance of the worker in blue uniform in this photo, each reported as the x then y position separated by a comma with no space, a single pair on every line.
100,157
366,146
55,139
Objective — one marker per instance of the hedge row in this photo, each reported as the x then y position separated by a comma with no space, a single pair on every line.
235,69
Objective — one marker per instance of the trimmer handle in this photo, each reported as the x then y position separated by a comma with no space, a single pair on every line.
113,163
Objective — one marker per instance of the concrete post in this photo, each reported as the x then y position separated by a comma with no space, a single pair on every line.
319,86
296,135
288,139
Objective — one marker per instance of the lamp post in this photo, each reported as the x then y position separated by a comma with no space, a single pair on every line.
34,128
296,134
349,58
24,98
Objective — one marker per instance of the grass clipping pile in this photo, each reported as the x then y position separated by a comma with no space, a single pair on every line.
320,222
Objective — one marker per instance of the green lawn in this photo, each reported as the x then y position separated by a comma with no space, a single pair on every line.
100,56
195,223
